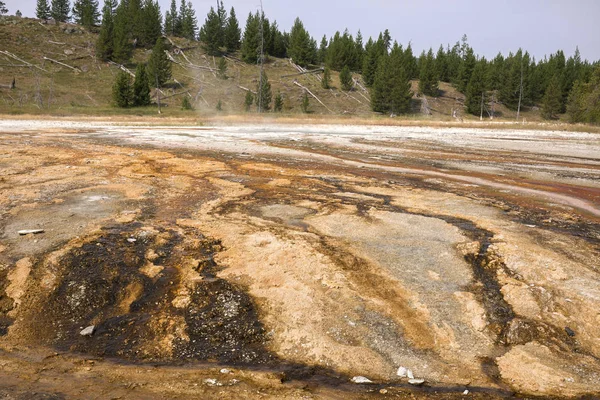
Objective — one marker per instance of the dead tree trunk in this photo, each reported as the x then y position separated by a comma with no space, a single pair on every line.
311,93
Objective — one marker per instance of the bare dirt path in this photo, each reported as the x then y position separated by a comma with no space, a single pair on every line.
281,261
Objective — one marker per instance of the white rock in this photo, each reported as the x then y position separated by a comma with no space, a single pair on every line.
28,231
225,371
401,372
466,392
89,331
210,381
409,373
416,382
131,240
361,379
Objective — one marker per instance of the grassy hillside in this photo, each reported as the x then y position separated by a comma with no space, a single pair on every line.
59,90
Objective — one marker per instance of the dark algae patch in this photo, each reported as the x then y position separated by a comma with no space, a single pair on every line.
105,283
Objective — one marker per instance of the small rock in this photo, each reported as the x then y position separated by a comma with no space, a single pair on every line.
28,231
401,372
361,379
89,331
409,373
569,331
466,392
383,391
416,382
211,382
225,371
131,240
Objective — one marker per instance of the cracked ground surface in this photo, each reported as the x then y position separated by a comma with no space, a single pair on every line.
281,261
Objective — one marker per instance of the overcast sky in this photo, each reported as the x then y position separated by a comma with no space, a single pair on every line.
539,26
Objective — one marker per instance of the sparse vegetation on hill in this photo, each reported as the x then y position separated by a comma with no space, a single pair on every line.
504,87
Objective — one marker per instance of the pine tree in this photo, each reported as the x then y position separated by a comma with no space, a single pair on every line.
428,77
222,15
251,41
232,33
301,48
391,88
85,13
42,10
278,106
159,66
171,18
210,33
305,104
279,41
122,48
359,51
576,106
104,44
511,83
441,65
409,62
186,104
122,93
135,20
248,100
263,100
476,88
593,97
189,23
466,70
346,79
222,68
60,10
551,103
3,9
141,87
322,52
326,81
151,23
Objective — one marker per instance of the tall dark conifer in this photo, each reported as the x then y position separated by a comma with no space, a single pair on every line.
159,66
141,87
476,89
251,41
151,23
122,46
551,104
301,48
232,32
189,23
171,18
42,10
60,10
104,44
85,13
210,33
428,76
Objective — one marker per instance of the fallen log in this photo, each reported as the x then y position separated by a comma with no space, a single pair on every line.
63,64
175,94
314,71
311,93
246,89
122,68
6,53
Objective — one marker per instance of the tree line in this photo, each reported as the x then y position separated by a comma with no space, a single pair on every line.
556,83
